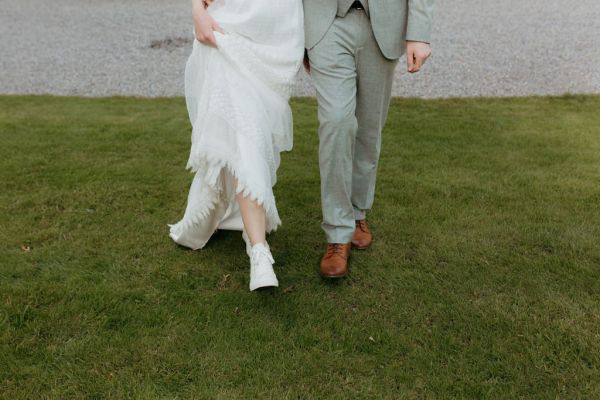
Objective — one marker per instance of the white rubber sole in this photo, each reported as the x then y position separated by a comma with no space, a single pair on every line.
263,282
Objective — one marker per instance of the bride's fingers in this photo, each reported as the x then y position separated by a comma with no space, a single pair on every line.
217,27
207,38
212,41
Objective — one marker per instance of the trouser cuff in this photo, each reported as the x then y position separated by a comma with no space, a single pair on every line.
359,214
339,234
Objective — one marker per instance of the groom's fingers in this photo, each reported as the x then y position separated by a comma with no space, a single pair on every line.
410,59
418,63
416,55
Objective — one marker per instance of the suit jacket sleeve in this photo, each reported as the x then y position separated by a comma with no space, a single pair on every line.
420,15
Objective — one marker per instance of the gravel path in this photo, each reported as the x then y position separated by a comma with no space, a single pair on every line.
139,47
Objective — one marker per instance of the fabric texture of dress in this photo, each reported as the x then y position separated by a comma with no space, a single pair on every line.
237,99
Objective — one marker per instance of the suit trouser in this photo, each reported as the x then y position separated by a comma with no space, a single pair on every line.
353,81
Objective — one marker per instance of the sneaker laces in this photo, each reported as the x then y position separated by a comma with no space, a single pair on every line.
259,251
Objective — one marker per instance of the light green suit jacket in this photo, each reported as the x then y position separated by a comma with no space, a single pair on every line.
393,22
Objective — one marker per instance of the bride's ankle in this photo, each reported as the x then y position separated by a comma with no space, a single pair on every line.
260,245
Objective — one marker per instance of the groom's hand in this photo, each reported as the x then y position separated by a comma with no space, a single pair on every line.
416,55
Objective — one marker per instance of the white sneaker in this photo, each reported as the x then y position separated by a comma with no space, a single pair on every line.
261,267
248,244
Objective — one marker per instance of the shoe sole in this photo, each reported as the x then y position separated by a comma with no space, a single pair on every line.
333,276
261,288
361,247
265,284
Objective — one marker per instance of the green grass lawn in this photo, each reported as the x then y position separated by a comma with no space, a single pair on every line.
483,281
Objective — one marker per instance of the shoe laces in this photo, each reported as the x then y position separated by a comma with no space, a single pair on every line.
362,225
258,252
336,249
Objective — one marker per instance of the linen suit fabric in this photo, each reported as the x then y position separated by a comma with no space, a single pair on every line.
344,6
353,54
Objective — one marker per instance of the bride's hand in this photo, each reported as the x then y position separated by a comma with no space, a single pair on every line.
204,24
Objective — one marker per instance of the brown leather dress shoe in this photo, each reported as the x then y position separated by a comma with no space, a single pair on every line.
334,263
362,237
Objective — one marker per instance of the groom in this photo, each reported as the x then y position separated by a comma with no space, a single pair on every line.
352,50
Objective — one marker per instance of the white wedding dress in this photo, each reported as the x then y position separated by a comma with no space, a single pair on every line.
237,99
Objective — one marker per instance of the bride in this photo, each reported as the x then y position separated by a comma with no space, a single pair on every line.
238,80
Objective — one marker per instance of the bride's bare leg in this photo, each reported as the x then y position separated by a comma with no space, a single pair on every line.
261,260
254,219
